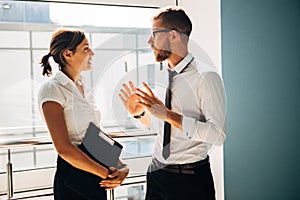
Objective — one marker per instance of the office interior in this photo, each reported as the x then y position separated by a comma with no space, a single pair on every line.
253,44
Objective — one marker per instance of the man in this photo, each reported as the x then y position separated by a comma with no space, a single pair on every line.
193,113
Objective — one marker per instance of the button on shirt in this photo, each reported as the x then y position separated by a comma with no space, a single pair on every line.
78,111
198,95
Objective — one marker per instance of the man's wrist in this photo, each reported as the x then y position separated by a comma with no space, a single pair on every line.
140,115
120,166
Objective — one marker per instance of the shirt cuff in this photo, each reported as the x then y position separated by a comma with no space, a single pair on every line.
188,126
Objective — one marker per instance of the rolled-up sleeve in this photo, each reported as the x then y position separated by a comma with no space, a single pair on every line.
211,94
50,92
188,124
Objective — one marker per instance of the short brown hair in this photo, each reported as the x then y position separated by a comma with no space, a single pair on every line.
175,18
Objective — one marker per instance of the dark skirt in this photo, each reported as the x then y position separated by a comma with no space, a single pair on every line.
76,184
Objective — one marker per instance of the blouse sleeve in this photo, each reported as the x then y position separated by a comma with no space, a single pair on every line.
50,91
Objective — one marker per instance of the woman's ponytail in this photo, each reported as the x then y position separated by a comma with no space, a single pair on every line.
47,69
62,39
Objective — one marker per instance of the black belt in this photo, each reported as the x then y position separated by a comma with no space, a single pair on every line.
188,168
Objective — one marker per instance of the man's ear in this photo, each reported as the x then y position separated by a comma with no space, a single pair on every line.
174,35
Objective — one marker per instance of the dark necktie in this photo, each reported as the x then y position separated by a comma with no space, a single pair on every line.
167,126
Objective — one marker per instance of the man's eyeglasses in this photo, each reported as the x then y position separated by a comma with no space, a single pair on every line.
161,31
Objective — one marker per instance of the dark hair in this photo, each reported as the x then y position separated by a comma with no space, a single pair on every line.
61,40
175,18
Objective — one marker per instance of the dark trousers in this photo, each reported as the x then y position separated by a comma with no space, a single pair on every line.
71,183
166,185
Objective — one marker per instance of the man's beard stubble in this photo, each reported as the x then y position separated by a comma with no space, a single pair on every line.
161,54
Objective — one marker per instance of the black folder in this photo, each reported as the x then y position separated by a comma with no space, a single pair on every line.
101,147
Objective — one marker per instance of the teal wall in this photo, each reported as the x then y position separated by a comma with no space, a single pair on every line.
261,70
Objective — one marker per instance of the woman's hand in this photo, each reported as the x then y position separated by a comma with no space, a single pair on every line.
129,99
116,178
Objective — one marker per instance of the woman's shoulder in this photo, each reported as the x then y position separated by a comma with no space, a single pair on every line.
50,88
49,85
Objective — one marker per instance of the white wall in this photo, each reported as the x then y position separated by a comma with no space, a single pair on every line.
206,19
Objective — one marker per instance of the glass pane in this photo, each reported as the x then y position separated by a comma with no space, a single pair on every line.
135,192
114,41
137,147
41,39
104,16
121,54
3,161
108,81
45,156
15,90
22,159
25,12
14,39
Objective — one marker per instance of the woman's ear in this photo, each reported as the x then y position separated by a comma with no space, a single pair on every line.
67,53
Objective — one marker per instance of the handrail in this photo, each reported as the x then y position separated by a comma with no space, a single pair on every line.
9,143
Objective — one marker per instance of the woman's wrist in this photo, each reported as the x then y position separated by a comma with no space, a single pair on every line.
106,173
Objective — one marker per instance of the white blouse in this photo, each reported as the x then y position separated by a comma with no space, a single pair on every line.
78,111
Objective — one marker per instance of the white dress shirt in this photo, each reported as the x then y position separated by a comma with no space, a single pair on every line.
78,110
198,95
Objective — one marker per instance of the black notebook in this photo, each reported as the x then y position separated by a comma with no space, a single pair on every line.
101,147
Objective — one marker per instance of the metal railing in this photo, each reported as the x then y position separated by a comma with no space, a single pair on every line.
8,144
13,143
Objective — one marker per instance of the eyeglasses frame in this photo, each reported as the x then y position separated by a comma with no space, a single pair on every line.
165,30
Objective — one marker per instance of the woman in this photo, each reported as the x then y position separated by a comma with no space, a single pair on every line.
68,107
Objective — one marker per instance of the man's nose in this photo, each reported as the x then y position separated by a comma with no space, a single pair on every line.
150,41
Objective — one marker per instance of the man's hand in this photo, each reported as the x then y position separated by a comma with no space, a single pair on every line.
149,101
129,99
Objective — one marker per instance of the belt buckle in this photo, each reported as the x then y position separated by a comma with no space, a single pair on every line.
187,166
188,171
178,169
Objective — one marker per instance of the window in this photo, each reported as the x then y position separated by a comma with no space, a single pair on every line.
118,35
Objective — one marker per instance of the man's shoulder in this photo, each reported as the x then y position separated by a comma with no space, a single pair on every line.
202,67
204,71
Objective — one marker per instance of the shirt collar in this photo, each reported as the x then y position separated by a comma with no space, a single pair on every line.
182,64
63,79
